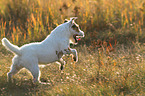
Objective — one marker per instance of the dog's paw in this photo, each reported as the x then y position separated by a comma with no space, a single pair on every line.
61,67
75,58
44,83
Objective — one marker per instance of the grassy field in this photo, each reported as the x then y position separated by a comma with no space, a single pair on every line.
111,56
121,72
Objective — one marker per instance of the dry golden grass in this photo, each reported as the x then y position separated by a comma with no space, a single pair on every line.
22,21
111,56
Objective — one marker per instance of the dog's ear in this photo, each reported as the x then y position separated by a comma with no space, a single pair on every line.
66,20
72,19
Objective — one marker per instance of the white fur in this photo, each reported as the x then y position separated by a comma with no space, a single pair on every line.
49,50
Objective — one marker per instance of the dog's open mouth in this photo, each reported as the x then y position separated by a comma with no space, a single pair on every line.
77,38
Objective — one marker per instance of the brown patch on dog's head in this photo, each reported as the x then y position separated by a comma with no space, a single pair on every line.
75,27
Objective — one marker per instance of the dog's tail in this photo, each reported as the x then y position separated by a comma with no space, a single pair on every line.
13,48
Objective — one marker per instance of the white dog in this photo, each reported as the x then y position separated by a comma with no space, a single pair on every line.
49,50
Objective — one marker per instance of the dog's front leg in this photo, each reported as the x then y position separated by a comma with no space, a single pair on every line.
74,56
73,52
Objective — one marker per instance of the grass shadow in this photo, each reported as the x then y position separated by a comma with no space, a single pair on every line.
20,88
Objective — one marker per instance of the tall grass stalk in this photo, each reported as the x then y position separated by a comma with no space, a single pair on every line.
111,56
40,17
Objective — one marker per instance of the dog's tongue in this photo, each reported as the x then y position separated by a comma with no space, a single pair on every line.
79,39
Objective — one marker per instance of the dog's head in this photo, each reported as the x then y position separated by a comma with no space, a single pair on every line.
74,29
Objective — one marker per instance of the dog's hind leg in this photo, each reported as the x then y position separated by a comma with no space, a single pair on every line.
14,69
62,63
73,52
35,72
